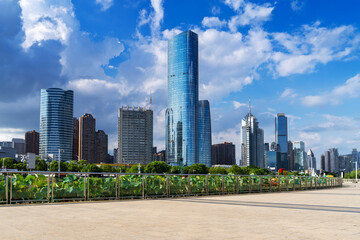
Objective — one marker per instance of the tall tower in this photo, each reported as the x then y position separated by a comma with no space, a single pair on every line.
204,133
56,123
252,141
87,138
281,138
183,95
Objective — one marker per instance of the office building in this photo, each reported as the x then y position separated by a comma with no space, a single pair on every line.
281,139
322,163
272,159
19,145
135,135
32,139
311,160
75,151
300,156
182,116
334,160
101,146
355,156
6,144
160,156
327,161
223,154
252,142
115,155
56,123
7,152
204,133
291,160
87,138
345,163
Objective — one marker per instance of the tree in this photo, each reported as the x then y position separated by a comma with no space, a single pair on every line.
217,170
21,166
7,162
175,170
92,168
40,164
54,166
82,165
134,169
157,167
73,166
198,168
107,168
235,169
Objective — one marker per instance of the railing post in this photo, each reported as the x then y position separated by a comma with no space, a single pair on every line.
143,187
249,184
7,189
117,187
222,185
52,189
207,184
287,183
10,189
188,182
48,189
88,187
311,181
260,182
237,185
167,186
300,183
294,185
279,183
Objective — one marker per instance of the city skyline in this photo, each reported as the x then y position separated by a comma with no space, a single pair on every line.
314,84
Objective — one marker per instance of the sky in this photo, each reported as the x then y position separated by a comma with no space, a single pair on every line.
297,57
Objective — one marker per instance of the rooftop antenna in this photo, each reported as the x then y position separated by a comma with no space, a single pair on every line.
150,102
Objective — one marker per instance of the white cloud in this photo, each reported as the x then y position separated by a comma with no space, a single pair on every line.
6,134
234,4
237,105
350,89
229,135
98,87
213,22
105,4
288,93
297,5
46,20
215,10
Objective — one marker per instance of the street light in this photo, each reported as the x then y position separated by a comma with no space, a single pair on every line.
60,150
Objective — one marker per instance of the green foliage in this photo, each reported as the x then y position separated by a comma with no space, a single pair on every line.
73,166
21,166
40,164
186,169
134,169
7,162
54,166
235,169
92,168
107,168
353,174
175,170
198,168
217,170
157,167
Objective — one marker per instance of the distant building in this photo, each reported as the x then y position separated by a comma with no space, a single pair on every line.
87,138
345,163
75,151
281,139
160,156
322,163
334,160
19,145
115,155
56,123
6,144
327,161
32,139
135,135
223,154
7,152
311,160
266,147
272,160
101,146
204,133
291,155
355,157
252,142
300,156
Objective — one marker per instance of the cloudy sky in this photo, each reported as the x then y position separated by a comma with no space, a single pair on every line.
299,57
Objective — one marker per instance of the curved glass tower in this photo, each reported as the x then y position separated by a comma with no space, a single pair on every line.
204,133
56,123
183,96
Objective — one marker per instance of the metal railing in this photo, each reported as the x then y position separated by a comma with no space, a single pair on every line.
21,187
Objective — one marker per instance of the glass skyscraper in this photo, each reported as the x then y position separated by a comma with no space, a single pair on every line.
56,123
183,95
204,133
281,138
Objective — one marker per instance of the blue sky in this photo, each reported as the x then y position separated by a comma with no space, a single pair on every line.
299,57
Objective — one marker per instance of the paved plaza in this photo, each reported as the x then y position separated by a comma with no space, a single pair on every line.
317,214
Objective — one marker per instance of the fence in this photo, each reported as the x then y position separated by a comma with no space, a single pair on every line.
21,187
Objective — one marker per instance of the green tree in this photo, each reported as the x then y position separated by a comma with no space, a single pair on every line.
54,166
21,166
198,168
175,170
73,166
82,165
107,168
186,170
157,167
353,176
7,162
217,170
134,169
92,168
40,164
235,169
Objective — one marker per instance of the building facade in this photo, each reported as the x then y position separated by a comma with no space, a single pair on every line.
223,154
204,133
87,138
75,151
281,139
56,123
101,147
252,142
311,160
300,156
135,135
271,160
19,145
32,139
291,161
183,95
334,160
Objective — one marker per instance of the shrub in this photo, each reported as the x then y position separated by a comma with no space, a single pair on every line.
217,170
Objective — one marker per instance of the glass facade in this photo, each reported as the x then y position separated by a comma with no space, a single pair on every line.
281,138
183,95
204,133
56,123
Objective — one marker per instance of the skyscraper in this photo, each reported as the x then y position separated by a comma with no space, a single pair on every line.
101,146
182,117
204,133
75,151
87,138
135,135
56,123
327,161
311,160
252,141
32,142
223,154
334,160
300,157
281,138
290,148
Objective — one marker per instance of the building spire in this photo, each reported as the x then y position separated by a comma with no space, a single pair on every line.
150,101
249,106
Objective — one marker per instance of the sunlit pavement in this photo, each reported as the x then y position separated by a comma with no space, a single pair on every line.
317,214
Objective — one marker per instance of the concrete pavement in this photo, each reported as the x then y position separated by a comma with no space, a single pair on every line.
318,214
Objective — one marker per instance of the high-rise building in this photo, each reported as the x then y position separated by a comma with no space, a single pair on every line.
115,155
101,147
252,142
204,133
75,151
135,135
271,160
281,139
355,156
327,161
87,138
182,116
6,144
345,163
19,145
56,123
311,160
7,152
290,153
322,163
334,160
223,154
32,139
300,156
